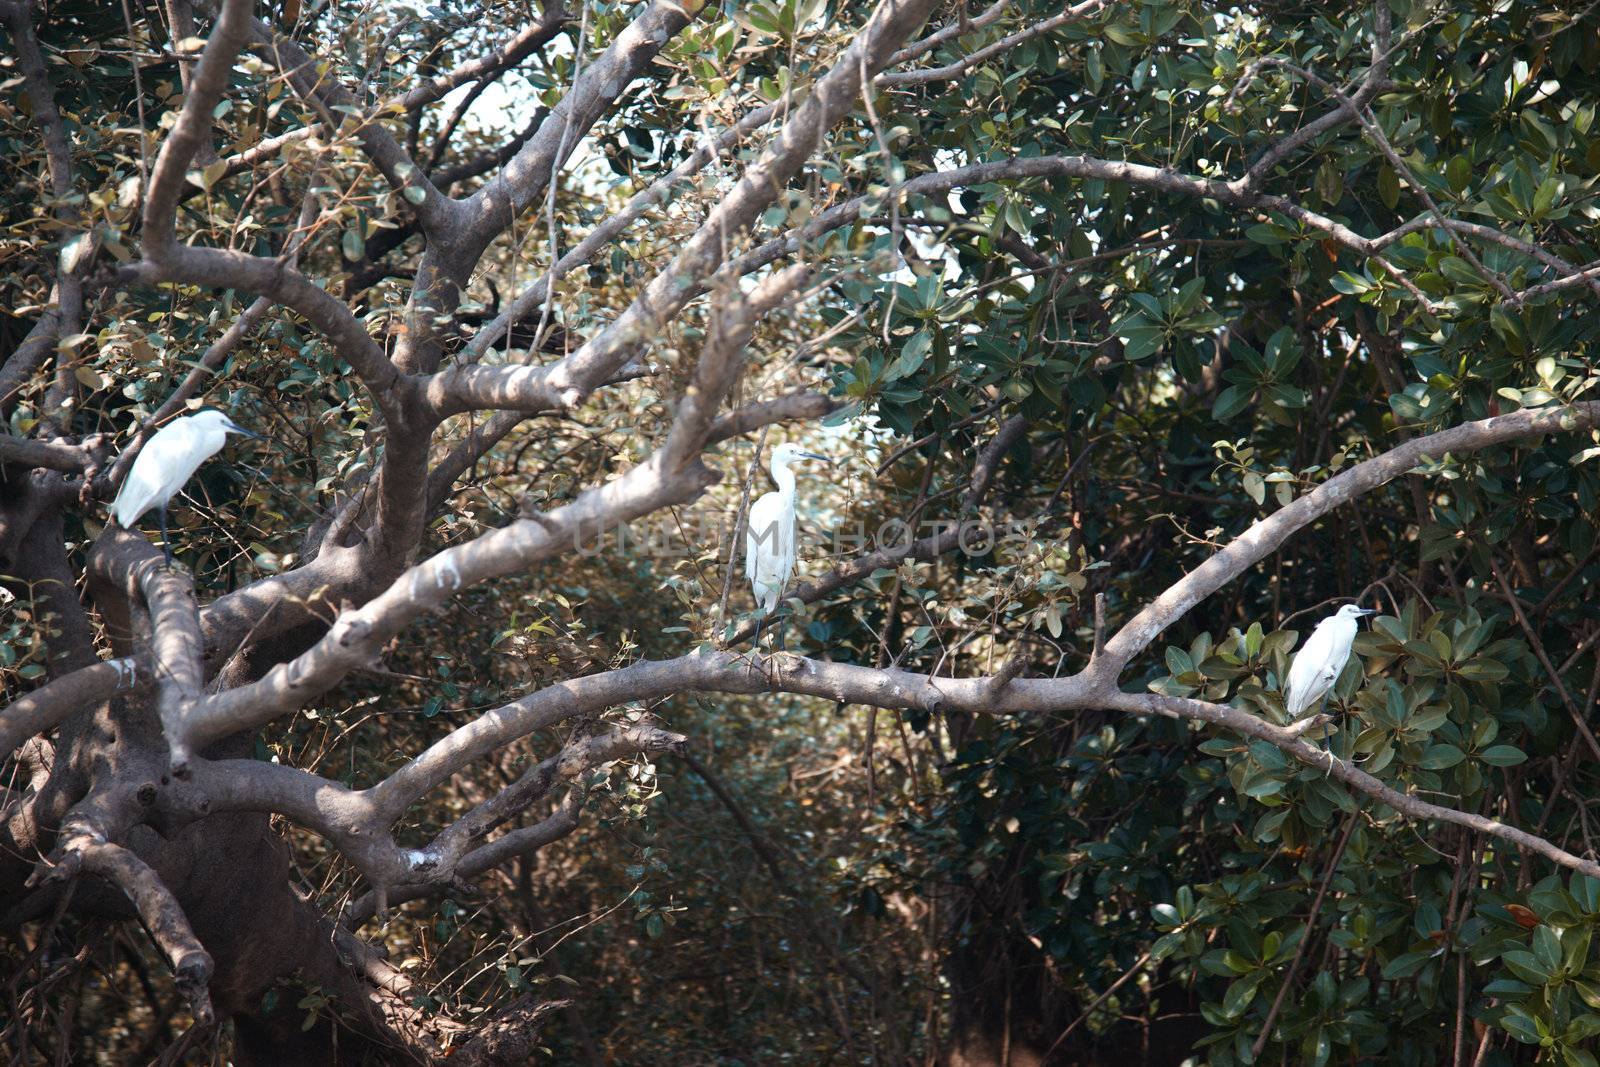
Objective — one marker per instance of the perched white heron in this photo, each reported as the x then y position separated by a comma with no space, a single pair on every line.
167,461
769,548
1318,663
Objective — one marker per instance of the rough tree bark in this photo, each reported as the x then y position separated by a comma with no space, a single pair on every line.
153,800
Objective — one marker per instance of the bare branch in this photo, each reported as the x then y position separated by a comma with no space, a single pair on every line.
569,381
519,47
1077,12
1264,537
1238,192
45,708
247,159
601,236
1589,276
728,672
322,92
959,28
52,455
284,285
439,861
503,849
791,407
988,461
160,912
497,204
192,128
1243,722
1368,87
1374,132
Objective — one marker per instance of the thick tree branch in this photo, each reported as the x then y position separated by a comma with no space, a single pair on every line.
519,47
1264,537
192,128
52,455
503,849
1075,13
601,237
1249,725
66,314
163,918
45,708
569,381
791,407
175,645
604,79
321,91
275,279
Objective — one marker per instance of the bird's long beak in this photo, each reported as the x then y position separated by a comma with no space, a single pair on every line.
813,455
1368,611
234,427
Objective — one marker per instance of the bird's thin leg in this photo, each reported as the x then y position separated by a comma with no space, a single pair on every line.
783,620
755,642
166,541
1328,742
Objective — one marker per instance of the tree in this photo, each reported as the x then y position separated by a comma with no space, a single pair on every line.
1056,253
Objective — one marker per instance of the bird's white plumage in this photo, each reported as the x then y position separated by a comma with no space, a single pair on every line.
167,461
1318,663
769,552
769,540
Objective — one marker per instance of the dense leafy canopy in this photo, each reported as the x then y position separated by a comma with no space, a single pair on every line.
1159,270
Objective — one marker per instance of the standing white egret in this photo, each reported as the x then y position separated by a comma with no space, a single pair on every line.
1318,663
769,548
167,461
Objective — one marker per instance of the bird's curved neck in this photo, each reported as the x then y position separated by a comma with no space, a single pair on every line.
784,477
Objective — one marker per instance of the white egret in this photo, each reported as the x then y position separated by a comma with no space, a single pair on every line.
769,543
1318,663
167,461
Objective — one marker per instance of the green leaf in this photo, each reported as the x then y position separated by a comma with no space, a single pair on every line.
1407,964
1458,172
1350,284
414,195
1586,891
1256,486
912,355
1262,234
1149,305
1503,756
1547,946
1388,187
1527,967
1521,1027
1440,757
1141,342
353,245
1231,401
1484,670
1240,994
